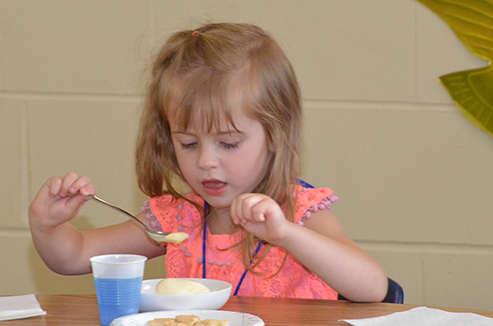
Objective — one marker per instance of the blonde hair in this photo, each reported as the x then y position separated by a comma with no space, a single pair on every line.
204,75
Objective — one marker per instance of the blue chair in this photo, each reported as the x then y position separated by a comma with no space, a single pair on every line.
395,293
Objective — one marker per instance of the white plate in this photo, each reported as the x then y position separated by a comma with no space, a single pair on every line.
234,318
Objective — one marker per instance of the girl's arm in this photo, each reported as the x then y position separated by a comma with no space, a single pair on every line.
321,245
66,250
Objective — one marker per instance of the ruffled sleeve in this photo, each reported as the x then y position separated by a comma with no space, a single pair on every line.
310,200
153,221
167,212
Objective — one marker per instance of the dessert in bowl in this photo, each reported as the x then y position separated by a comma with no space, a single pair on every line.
218,295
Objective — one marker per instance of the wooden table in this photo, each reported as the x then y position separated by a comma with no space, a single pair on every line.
83,310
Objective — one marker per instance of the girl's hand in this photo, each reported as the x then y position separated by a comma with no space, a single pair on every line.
261,216
60,199
64,248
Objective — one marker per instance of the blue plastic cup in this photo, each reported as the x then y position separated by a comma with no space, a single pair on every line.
118,281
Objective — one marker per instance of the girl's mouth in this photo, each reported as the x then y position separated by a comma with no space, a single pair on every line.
214,187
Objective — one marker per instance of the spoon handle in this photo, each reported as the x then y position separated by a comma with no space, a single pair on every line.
121,210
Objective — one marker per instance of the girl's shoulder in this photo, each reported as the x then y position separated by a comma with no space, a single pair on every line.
310,200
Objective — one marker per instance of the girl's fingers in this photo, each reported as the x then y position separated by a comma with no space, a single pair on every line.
54,184
81,185
258,210
88,190
70,185
236,210
248,208
243,212
67,182
247,202
75,203
260,207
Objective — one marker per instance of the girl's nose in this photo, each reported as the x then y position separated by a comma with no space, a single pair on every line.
207,159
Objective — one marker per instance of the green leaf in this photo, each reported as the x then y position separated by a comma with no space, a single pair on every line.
471,90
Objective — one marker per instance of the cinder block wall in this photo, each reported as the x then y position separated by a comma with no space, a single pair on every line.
413,176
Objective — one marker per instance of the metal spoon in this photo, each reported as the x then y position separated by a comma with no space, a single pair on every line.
156,235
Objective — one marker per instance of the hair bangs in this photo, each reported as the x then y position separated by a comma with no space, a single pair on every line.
205,101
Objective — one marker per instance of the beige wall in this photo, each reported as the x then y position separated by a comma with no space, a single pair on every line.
413,176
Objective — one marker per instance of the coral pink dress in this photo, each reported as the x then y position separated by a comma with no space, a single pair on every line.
186,259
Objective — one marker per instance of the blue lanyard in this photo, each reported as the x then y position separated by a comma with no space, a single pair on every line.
304,183
204,245
246,270
204,236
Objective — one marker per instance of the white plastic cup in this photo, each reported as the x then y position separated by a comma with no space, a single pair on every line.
118,281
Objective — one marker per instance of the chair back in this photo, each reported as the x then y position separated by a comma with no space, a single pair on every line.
395,293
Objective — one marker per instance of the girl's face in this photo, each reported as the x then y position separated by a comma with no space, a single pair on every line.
225,163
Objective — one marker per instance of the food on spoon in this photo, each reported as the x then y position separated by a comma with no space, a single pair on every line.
187,320
176,237
180,286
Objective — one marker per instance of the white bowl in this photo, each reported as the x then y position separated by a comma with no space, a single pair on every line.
219,295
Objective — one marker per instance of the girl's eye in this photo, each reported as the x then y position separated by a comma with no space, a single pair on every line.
230,145
188,145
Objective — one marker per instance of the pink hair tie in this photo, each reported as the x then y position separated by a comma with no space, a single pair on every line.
194,33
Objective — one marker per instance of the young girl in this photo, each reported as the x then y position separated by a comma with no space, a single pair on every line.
223,115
